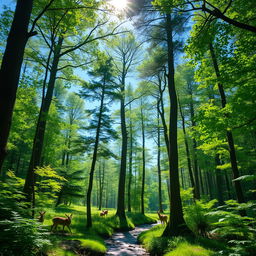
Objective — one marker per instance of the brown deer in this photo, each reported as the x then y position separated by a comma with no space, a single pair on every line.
62,221
41,217
103,213
162,218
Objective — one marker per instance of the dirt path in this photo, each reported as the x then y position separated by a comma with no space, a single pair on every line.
125,243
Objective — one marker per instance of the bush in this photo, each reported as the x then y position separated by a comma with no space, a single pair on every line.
238,231
22,237
197,217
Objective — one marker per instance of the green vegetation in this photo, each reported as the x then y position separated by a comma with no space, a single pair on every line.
89,239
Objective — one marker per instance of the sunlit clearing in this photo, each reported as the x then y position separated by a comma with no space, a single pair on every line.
119,4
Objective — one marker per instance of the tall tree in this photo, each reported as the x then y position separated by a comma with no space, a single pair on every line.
124,53
101,90
61,24
11,66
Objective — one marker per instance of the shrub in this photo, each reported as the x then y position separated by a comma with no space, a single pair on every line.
197,217
22,237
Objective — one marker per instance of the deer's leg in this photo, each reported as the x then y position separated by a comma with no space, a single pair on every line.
63,227
69,229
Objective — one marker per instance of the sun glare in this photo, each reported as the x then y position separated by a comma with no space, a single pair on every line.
119,4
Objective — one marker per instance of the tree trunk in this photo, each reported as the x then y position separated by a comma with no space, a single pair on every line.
192,118
232,151
190,172
121,186
160,205
101,180
210,184
201,180
176,225
130,165
219,180
94,158
40,129
10,69
160,109
143,161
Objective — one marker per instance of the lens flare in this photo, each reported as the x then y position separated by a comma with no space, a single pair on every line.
119,4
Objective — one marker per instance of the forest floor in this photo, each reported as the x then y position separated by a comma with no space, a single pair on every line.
96,240
126,243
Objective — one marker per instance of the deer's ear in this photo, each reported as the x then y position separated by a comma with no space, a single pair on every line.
66,215
44,212
71,215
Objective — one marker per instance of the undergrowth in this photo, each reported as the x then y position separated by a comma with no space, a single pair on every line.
92,239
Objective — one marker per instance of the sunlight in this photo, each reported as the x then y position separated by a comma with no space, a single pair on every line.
119,4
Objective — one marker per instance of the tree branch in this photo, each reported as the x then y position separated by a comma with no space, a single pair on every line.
31,32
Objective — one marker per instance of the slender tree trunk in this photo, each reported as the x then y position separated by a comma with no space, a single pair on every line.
130,164
100,186
40,129
121,185
101,179
94,158
190,172
192,114
227,185
176,225
107,194
201,180
232,151
160,109
143,160
10,69
210,184
219,180
160,205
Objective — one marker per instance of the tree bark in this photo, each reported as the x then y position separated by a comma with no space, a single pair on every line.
121,186
218,14
10,69
160,109
160,204
176,225
130,165
219,180
94,158
143,160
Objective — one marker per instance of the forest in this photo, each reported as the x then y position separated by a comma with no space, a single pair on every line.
128,127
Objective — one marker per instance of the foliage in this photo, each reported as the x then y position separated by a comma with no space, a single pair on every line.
231,224
197,218
22,236
174,246
152,240
11,197
48,184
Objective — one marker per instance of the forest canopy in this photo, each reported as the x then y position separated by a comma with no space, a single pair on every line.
119,113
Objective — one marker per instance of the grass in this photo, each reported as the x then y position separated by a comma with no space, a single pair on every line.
186,249
91,240
154,243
